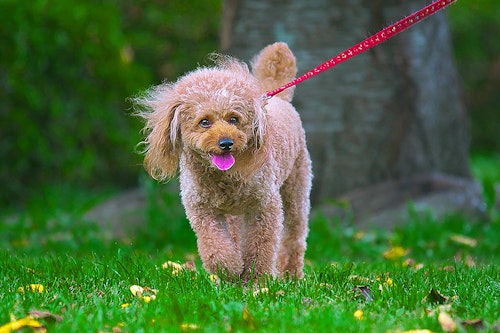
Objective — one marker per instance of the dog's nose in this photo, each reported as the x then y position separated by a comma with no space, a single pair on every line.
226,144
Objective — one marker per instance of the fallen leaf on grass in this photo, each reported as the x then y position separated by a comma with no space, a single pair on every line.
441,308
189,266
307,301
188,327
386,283
214,278
248,318
436,297
474,323
41,314
411,263
360,279
359,315
34,287
464,240
395,253
446,322
419,331
148,299
468,260
114,329
144,293
363,291
21,323
176,268
260,291
136,290
359,235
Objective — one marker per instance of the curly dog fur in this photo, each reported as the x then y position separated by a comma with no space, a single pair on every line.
245,171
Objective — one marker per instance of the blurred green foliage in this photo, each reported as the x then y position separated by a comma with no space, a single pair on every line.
476,27
67,68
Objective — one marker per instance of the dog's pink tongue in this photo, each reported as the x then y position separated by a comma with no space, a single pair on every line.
223,162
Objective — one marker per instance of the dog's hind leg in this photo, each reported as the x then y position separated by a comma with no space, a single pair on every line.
295,194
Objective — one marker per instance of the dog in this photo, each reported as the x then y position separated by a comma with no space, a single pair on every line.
245,171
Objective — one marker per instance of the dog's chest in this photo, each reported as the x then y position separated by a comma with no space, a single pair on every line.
225,195
230,197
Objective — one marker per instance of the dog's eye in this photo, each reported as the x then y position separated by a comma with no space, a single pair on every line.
205,123
233,120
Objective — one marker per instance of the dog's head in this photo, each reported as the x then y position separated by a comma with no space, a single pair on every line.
214,113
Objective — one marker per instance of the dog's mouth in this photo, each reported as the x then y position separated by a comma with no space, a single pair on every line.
223,161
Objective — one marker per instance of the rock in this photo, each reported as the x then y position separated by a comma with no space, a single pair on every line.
385,205
121,216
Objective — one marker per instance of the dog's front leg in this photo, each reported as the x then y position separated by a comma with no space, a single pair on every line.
216,248
260,241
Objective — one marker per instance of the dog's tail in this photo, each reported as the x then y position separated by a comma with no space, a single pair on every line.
274,67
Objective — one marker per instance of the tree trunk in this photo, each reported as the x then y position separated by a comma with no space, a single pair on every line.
392,112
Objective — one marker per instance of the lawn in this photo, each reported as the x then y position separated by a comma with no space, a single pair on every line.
60,275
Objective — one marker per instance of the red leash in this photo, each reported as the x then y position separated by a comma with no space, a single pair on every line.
368,43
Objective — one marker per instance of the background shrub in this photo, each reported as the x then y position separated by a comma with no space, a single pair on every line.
475,26
67,68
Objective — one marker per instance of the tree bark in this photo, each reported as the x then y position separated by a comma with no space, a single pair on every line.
393,112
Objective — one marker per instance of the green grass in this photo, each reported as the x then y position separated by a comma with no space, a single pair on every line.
87,279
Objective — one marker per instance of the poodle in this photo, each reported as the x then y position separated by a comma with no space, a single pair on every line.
245,172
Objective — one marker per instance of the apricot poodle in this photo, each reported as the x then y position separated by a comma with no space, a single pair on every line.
245,172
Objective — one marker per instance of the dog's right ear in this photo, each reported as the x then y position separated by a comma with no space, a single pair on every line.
159,107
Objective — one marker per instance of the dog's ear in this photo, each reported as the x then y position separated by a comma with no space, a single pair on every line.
259,123
159,107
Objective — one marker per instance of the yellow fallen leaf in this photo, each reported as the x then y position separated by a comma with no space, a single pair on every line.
359,279
359,315
247,316
188,327
394,253
34,287
418,331
136,290
214,278
18,324
124,305
446,322
359,235
461,239
175,268
387,281
145,293
260,291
